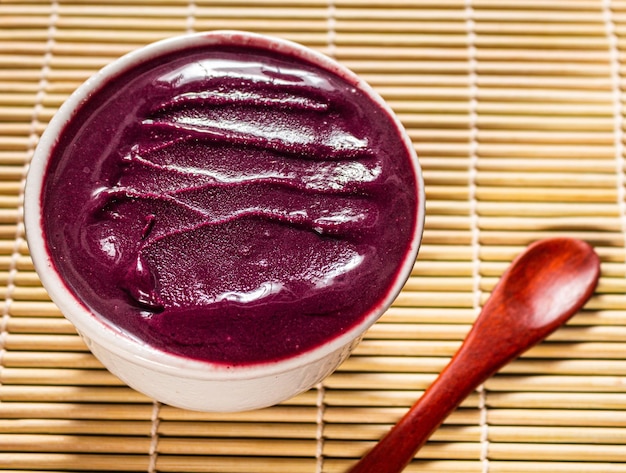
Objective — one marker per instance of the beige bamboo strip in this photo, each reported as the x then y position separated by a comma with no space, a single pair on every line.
442,268
9,188
566,367
453,26
554,383
424,13
553,467
275,27
594,57
393,364
537,451
559,401
408,66
225,10
535,55
451,451
286,413
333,465
571,333
49,326
8,215
17,87
76,427
514,121
509,157
23,99
343,380
33,461
67,48
446,192
378,398
13,157
73,443
398,331
41,359
517,41
600,223
429,315
6,246
59,410
578,84
23,278
444,252
199,464
175,21
28,293
13,143
390,415
491,237
58,376
17,113
9,173
33,309
102,9
70,394
233,446
545,137
435,283
545,209
434,299
447,207
539,5
454,92
275,430
465,433
542,180
71,343
538,69
531,194
536,434
259,24
445,178
523,28
33,471
450,222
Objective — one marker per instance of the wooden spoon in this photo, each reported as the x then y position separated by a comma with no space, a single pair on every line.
540,291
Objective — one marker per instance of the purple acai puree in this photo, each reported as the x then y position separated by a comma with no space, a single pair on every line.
231,205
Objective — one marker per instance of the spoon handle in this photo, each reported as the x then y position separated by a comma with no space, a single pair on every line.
539,292
465,372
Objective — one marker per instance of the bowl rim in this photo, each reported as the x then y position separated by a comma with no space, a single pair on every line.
109,336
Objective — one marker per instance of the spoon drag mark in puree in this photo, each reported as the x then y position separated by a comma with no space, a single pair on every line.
241,206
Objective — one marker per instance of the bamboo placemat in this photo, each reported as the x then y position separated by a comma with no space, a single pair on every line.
517,110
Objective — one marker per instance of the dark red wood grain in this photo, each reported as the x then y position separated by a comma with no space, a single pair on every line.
541,290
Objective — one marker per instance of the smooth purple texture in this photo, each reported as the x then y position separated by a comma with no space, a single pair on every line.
230,205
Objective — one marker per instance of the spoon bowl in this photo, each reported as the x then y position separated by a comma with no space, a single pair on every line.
542,289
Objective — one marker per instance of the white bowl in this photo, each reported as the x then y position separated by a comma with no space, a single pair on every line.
173,379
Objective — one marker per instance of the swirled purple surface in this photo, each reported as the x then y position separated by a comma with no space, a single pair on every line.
230,205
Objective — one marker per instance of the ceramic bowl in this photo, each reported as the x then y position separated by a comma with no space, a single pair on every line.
169,378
